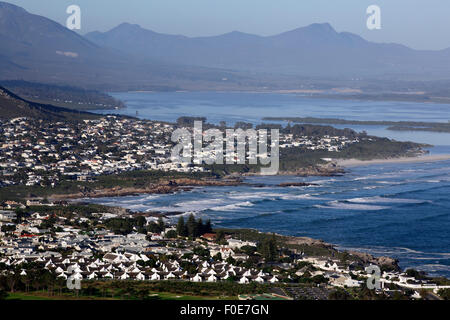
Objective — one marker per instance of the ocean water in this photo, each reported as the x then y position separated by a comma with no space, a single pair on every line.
398,210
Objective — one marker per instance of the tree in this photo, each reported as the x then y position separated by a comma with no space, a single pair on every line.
269,249
153,227
208,228
181,228
8,228
13,278
249,250
218,256
202,252
171,234
161,224
444,293
200,227
220,236
192,226
230,260
345,257
140,221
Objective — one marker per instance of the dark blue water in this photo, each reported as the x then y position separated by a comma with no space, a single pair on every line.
398,210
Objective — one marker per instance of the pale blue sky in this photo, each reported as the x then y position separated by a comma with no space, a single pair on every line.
420,24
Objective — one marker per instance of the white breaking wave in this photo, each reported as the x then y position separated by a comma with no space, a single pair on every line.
305,196
325,181
256,195
378,199
232,206
197,205
350,206
400,251
138,207
433,268
163,209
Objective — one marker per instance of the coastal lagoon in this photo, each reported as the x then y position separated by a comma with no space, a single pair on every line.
253,107
400,210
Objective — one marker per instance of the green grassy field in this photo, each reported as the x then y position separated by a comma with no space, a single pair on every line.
39,295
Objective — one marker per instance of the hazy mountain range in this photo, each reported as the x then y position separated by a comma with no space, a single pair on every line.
35,48
315,50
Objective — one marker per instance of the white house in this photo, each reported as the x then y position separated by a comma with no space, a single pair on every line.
197,278
244,280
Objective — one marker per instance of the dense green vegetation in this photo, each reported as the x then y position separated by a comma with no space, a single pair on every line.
193,228
393,125
445,294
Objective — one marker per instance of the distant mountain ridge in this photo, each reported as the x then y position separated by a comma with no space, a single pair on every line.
314,50
37,49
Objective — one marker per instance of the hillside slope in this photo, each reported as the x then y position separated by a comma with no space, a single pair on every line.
37,49
12,106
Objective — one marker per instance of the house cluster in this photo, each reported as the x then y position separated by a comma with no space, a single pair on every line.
130,266
326,142
342,275
34,152
122,256
68,249
37,152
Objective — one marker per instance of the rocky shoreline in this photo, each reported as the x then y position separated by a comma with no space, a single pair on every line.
327,170
366,258
165,187
186,184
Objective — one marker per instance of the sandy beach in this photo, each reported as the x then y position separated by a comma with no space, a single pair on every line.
425,158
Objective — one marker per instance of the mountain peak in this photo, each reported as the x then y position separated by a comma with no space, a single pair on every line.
313,34
316,28
237,34
129,29
128,26
321,26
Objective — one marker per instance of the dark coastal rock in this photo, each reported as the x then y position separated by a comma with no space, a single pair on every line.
387,262
296,184
306,241
327,170
163,187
